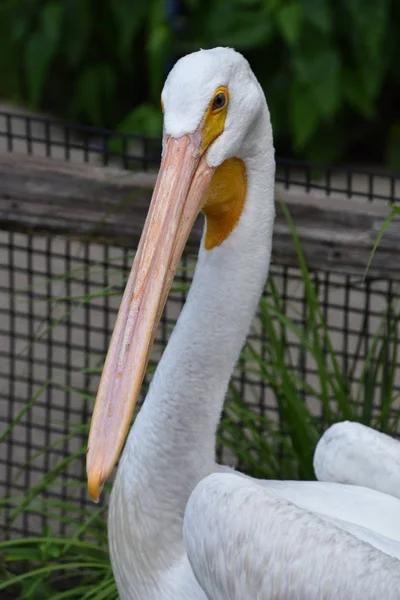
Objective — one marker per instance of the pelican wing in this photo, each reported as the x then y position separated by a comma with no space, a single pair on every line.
366,513
245,541
355,454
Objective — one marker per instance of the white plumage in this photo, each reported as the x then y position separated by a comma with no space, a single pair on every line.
279,551
180,526
356,454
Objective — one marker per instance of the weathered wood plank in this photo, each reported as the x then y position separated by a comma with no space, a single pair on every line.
110,205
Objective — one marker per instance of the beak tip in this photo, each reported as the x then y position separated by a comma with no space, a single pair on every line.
95,483
95,487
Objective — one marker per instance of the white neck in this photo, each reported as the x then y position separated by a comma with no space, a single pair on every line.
172,444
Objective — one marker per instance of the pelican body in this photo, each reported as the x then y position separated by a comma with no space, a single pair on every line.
182,527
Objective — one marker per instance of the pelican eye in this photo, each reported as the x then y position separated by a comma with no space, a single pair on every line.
219,101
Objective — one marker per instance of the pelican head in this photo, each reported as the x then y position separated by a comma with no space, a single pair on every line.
211,101
213,96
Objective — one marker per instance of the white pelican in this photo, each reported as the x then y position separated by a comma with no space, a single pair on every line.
239,538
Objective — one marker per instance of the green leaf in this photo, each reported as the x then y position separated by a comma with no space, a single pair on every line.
35,590
38,56
394,213
17,554
319,71
318,12
52,552
130,18
326,89
146,119
21,21
47,570
369,50
51,22
77,31
41,48
158,46
290,18
366,28
236,26
303,118
354,91
93,93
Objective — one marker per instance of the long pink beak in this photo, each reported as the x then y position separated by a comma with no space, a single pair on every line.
178,196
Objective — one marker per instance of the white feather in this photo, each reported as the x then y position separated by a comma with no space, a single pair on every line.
355,454
171,447
245,541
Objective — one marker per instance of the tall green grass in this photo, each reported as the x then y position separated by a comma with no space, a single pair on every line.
278,444
365,391
394,213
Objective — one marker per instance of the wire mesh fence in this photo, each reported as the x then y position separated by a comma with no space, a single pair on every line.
58,302
40,136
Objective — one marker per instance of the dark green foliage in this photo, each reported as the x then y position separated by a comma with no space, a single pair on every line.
86,60
329,67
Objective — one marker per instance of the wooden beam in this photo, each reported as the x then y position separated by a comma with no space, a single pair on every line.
109,205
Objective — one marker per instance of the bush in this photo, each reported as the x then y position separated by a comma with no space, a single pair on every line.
328,67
